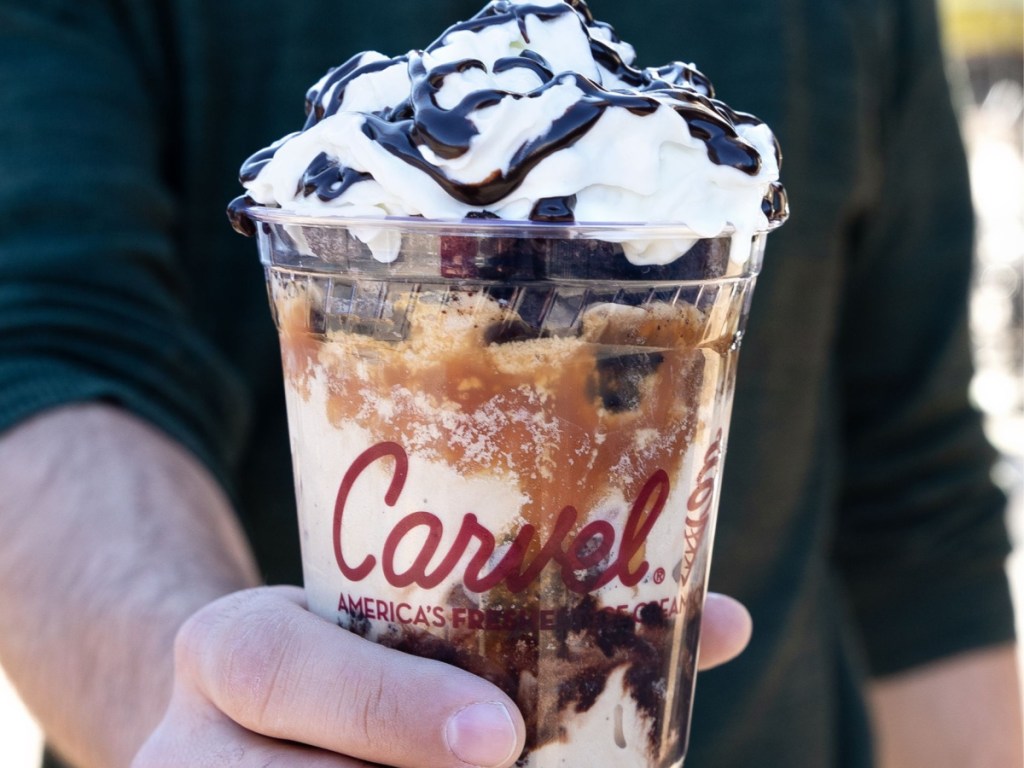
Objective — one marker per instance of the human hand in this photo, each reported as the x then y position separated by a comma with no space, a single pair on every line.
260,681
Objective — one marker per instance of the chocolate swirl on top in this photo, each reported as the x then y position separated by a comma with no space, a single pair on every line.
337,81
424,131
448,133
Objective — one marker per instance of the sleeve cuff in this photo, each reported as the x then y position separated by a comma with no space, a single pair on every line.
924,619
32,388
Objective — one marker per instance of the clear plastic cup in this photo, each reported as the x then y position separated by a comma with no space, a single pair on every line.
508,444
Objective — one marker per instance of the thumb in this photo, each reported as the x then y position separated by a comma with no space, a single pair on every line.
284,673
726,627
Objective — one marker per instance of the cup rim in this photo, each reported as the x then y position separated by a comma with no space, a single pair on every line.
615,230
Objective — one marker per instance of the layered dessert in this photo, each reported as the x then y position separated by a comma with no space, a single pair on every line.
509,343
530,500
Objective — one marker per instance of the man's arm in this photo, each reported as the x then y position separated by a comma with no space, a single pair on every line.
110,537
922,541
971,700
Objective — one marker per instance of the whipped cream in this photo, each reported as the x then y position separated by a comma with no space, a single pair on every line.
520,113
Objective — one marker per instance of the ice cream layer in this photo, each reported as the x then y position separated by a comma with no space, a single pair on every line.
527,111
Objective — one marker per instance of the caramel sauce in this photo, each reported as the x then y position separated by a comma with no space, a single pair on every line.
563,418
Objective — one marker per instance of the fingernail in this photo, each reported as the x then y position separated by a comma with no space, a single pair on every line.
481,734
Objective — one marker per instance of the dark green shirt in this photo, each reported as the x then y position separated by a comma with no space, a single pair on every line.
858,522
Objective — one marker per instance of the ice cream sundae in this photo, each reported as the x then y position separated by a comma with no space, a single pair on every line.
511,273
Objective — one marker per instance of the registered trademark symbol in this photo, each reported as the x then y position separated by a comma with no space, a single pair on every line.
659,576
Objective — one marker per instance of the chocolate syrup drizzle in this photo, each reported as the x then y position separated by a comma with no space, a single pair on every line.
421,122
328,179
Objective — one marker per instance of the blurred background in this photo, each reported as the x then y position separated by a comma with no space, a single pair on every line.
985,45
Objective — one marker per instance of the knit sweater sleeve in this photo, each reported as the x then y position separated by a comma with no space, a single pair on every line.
922,541
94,302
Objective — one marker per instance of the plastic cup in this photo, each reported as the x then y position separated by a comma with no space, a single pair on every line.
508,444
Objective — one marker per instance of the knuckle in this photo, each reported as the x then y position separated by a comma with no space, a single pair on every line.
256,670
368,707
192,640
233,647
198,637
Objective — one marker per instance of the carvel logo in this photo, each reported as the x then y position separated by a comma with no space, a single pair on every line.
699,506
575,554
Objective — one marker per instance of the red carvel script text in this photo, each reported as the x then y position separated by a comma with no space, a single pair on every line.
578,555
